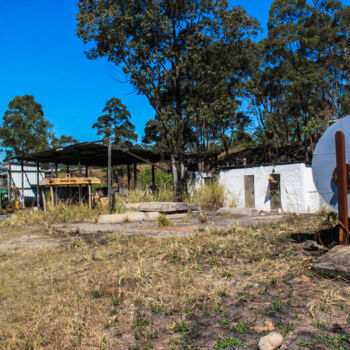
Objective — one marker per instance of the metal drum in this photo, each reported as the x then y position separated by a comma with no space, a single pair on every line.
324,162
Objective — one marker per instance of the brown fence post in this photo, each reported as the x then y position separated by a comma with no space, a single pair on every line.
342,188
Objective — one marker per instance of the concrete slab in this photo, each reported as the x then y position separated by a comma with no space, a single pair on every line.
335,262
163,207
237,212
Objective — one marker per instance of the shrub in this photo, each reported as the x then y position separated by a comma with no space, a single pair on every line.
163,221
210,196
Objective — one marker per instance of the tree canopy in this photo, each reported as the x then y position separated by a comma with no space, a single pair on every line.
24,128
163,48
114,125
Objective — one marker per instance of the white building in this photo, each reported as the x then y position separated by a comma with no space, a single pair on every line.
13,175
287,188
279,180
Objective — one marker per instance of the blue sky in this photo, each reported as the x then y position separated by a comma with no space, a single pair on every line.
42,56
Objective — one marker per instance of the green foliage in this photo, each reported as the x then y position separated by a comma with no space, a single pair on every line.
114,125
63,141
161,178
181,55
301,79
227,343
24,128
163,221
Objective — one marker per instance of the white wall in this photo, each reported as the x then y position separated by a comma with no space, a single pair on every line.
29,180
196,180
298,192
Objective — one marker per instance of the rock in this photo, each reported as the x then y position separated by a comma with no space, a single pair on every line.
336,262
151,216
271,341
133,216
112,219
163,207
313,246
132,206
237,212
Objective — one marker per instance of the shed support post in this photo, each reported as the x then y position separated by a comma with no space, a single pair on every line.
129,177
37,185
22,175
89,194
68,192
56,188
109,177
153,179
135,175
9,181
86,171
79,169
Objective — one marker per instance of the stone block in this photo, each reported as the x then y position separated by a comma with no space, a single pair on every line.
163,207
237,212
134,216
132,206
112,219
151,215
335,262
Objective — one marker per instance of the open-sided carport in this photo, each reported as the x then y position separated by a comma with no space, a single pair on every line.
95,154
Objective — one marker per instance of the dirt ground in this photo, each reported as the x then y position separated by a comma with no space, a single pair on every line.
193,287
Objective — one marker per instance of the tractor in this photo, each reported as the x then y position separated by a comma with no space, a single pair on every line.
6,205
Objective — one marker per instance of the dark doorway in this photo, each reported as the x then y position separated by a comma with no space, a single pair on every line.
249,191
275,191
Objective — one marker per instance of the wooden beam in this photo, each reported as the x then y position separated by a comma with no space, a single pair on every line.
144,160
109,177
86,170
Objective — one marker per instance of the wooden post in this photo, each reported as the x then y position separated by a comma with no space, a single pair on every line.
51,196
79,169
86,171
342,188
89,193
56,188
37,185
153,179
22,175
129,175
44,199
9,181
68,194
109,177
80,193
135,175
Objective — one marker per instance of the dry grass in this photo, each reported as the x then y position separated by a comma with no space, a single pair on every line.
109,291
61,213
162,194
210,196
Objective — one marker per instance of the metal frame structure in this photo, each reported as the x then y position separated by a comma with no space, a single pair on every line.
97,154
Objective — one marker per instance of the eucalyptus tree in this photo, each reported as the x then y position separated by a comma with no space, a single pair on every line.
114,125
159,45
24,128
302,79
